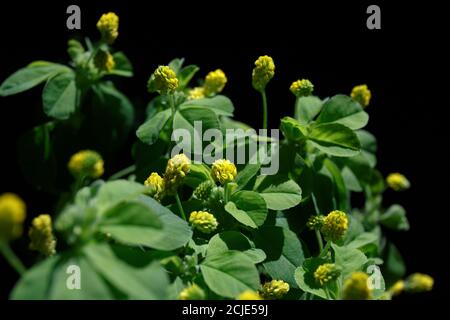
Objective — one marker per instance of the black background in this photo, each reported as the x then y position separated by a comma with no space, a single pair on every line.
327,43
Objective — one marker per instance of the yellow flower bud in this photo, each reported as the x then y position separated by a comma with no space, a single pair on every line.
315,222
104,61
12,216
419,282
361,94
214,82
177,168
108,25
397,288
41,235
334,226
326,272
356,287
155,185
164,80
196,93
302,88
194,292
397,182
249,295
203,221
223,171
262,73
86,163
274,289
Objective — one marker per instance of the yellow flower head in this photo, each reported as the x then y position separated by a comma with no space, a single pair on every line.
177,168
223,171
108,25
194,292
41,235
164,80
361,94
315,222
249,295
302,88
104,61
12,216
356,287
326,272
274,289
214,82
334,226
262,73
397,288
203,221
155,185
196,93
397,181
419,282
86,163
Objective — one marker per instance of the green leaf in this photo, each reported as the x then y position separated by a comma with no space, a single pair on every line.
279,192
395,218
148,282
245,175
230,273
304,277
176,64
284,252
59,96
186,74
293,130
239,215
221,105
394,267
362,240
198,173
344,110
114,192
348,259
368,146
149,131
342,193
30,76
306,108
123,66
335,139
249,204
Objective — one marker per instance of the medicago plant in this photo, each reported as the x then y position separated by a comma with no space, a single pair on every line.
168,227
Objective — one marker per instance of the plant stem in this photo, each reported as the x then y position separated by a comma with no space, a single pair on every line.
295,107
264,99
11,257
319,240
325,249
180,207
123,172
226,193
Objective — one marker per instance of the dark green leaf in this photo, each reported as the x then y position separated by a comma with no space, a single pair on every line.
279,192
59,96
335,139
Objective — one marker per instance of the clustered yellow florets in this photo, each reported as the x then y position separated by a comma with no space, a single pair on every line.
108,25
326,272
274,289
397,287
86,163
361,94
334,226
155,185
196,93
302,88
223,171
262,73
104,61
12,216
177,168
164,80
203,221
249,295
193,292
41,235
356,287
315,222
419,282
214,82
397,181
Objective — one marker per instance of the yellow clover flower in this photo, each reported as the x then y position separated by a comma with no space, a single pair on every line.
41,235
214,82
361,94
12,216
302,88
397,287
163,80
356,287
249,295
108,25
397,181
326,272
419,282
262,73
274,289
334,226
193,292
223,171
177,168
196,93
104,61
86,163
315,222
155,185
203,221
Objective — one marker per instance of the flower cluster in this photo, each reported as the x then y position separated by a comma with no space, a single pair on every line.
104,61
196,93
356,287
155,185
86,163
334,226
163,80
193,292
302,88
397,181
108,25
12,216
361,94
262,73
223,171
326,272
176,170
315,222
419,282
249,295
41,235
274,289
203,221
214,82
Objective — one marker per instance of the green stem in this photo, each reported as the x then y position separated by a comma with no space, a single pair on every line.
94,52
295,107
325,249
319,240
122,173
327,293
11,257
180,207
226,192
264,98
